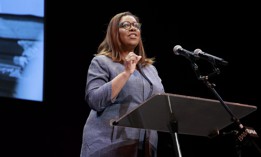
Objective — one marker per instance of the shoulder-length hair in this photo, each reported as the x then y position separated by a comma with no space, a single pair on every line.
110,46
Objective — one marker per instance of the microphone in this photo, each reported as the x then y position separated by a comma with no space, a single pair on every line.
178,50
200,54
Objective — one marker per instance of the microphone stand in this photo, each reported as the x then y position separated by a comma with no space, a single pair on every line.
244,134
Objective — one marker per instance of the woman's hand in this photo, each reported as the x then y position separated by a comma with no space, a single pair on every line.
131,60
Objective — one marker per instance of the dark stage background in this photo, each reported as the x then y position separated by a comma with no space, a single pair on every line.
74,29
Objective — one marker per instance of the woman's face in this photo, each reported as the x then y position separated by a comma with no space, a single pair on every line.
129,32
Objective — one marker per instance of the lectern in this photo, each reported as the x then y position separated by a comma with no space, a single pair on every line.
191,115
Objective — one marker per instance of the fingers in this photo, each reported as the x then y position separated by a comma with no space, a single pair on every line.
132,57
131,61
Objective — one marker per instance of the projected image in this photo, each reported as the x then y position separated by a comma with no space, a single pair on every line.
22,49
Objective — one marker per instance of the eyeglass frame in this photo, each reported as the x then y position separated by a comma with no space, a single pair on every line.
121,25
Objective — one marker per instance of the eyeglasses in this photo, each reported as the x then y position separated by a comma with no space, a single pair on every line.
127,25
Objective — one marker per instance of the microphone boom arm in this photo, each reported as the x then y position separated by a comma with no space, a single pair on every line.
245,133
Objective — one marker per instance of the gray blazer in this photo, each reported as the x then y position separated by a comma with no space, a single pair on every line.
98,133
